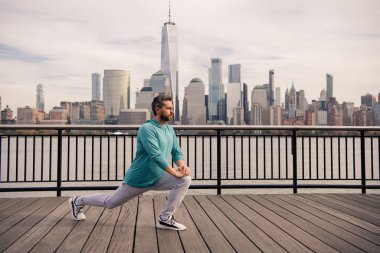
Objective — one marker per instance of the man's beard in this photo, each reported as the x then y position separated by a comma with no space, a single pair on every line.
165,118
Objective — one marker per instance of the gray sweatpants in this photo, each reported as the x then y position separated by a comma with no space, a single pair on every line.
177,186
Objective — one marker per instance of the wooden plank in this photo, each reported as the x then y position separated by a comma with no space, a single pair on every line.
168,240
12,210
349,199
101,235
19,229
255,234
323,235
26,242
123,236
375,195
146,238
369,198
349,218
237,239
333,204
22,214
349,204
214,239
345,230
58,234
191,239
82,230
281,230
6,203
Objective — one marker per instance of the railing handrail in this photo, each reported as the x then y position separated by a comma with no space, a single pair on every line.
188,127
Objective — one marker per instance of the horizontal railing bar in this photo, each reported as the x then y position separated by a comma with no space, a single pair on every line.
188,127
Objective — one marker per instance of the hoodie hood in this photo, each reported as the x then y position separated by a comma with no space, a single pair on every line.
154,122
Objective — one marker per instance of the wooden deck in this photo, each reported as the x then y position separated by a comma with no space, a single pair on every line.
226,223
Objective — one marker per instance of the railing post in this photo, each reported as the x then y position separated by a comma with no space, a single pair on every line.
59,163
362,158
294,153
219,162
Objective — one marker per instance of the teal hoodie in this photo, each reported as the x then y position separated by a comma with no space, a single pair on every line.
155,144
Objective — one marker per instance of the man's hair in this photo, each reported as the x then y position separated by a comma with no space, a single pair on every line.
158,101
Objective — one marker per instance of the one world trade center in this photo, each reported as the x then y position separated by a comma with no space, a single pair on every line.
169,60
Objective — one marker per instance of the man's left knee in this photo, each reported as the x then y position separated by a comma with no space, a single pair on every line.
187,180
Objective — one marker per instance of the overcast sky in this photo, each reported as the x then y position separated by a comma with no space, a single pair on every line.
60,43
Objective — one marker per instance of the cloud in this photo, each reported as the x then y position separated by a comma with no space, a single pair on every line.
11,53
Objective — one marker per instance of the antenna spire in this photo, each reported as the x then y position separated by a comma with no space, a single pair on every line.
169,11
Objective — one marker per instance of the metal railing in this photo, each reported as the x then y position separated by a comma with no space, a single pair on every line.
65,158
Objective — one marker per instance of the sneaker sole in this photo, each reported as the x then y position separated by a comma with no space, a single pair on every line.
161,226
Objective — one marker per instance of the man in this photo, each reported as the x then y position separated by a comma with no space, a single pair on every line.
150,170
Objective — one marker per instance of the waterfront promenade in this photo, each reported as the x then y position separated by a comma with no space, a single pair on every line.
215,223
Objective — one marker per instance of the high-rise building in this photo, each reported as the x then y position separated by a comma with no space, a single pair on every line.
259,96
256,110
275,115
144,99
329,87
277,101
292,103
238,116
160,83
68,106
216,90
116,91
194,110
27,115
376,114
271,87
348,109
97,112
259,105
233,100
334,116
234,73
362,116
246,104
133,116
169,60
7,116
96,79
368,100
287,99
58,114
40,98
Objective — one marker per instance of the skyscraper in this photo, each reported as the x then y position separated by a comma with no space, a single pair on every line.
160,83
96,86
277,100
234,73
233,100
368,100
216,90
40,98
246,104
329,87
169,60
194,110
116,87
271,87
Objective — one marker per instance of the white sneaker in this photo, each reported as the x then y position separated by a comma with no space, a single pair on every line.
76,210
169,224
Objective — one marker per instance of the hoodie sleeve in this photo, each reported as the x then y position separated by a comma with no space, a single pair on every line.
150,142
176,150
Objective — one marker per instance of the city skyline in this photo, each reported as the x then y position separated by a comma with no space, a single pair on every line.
49,43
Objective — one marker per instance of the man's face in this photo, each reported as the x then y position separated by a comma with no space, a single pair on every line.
166,113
